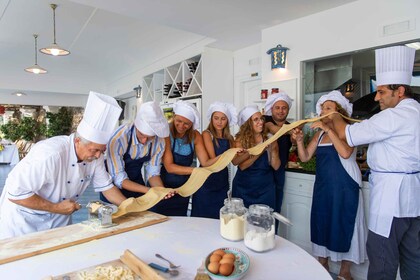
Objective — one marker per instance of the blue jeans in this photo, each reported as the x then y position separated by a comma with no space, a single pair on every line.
402,248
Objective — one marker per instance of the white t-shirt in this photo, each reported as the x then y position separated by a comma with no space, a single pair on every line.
51,171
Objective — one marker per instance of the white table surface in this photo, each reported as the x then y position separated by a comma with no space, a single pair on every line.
186,241
10,154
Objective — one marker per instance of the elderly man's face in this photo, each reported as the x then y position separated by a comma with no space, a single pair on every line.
279,111
88,152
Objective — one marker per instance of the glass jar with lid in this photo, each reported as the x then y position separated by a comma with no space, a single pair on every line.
232,219
259,228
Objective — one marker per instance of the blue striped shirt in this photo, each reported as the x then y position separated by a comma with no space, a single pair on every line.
118,146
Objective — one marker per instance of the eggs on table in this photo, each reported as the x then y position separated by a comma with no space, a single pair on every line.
221,263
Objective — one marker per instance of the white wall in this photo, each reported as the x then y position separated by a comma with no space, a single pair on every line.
246,62
355,26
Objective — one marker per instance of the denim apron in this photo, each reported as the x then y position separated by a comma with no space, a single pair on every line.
133,169
208,200
334,202
255,185
176,205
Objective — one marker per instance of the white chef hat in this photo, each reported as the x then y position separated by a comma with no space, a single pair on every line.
189,111
226,108
246,113
394,65
150,120
99,119
336,96
272,99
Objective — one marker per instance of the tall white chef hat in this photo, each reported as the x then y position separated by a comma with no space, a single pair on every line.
336,96
99,119
272,99
226,108
189,111
246,113
394,65
151,121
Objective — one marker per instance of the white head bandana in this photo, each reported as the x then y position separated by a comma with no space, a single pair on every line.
189,111
150,120
226,108
272,99
246,113
336,96
99,119
394,65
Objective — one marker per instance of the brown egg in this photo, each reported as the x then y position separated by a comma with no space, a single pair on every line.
219,252
215,258
213,267
229,256
226,260
226,269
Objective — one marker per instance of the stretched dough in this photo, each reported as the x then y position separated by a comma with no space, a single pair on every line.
200,174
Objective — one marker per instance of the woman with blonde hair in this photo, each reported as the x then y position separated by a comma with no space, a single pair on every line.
184,140
208,200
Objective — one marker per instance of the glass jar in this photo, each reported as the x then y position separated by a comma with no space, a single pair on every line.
232,219
259,228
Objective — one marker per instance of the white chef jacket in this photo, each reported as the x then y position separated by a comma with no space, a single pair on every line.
51,171
393,136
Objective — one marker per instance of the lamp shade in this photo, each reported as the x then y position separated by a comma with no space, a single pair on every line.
54,49
36,69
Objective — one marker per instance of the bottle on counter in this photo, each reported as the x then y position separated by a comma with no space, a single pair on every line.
264,93
274,90
232,219
259,228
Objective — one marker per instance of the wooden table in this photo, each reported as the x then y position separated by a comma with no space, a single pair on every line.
186,241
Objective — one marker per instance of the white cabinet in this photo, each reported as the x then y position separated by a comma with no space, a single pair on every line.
208,76
296,206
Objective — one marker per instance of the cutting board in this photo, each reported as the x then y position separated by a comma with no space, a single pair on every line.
12,249
128,261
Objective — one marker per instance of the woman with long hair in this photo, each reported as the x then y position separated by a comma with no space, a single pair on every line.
184,140
208,200
254,179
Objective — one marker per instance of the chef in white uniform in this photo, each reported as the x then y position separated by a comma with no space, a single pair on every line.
393,136
41,192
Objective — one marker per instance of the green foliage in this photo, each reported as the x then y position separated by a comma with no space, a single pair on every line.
27,129
59,123
309,165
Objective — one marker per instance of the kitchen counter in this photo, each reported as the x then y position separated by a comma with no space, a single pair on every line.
184,240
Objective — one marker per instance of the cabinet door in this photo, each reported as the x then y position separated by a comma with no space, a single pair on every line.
298,209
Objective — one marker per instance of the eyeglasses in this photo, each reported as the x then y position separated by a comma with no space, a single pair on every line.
256,120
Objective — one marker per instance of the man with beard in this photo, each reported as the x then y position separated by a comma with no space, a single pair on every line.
276,110
393,156
42,190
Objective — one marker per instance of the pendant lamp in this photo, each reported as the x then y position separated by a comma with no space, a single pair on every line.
54,49
36,69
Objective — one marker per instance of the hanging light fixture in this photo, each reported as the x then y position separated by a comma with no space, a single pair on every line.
54,49
36,69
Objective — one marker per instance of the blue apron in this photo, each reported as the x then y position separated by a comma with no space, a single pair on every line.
133,169
334,202
176,205
255,185
284,144
208,200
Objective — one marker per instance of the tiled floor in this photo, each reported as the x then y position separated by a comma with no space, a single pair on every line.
78,216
